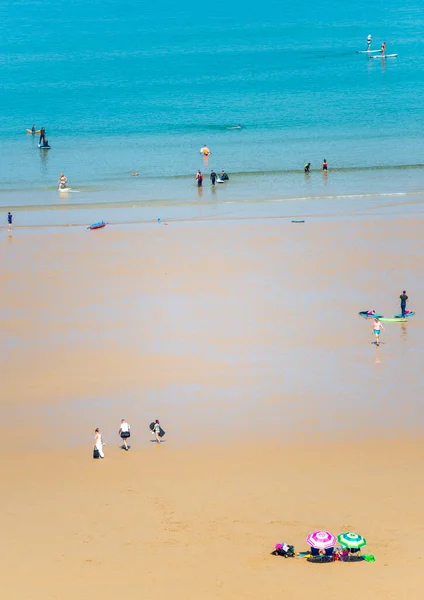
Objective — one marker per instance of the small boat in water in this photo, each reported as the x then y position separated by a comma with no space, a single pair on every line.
98,225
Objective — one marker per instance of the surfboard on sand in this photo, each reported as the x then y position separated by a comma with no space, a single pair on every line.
387,320
152,428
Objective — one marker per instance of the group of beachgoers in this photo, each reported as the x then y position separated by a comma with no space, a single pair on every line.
221,178
124,433
378,325
369,42
307,167
43,142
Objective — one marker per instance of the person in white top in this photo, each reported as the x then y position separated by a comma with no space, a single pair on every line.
369,40
377,326
124,432
98,441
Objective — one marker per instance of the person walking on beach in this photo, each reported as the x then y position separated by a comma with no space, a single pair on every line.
324,165
42,136
403,298
307,167
213,177
157,431
9,220
124,432
199,179
377,327
98,442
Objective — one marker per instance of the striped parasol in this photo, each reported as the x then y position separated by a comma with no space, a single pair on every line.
321,540
351,540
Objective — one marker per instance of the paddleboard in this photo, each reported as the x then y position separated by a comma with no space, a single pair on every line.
393,320
364,313
385,56
297,221
44,147
409,314
33,132
152,428
220,180
367,51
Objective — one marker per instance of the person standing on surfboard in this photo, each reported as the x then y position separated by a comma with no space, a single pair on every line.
369,40
383,48
403,298
42,136
377,327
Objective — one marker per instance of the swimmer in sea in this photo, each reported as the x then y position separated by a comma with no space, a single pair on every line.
134,174
205,151
62,181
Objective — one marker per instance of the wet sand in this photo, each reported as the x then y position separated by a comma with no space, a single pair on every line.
281,416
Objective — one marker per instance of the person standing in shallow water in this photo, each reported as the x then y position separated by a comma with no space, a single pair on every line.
9,220
403,298
213,177
324,165
377,325
199,179
307,167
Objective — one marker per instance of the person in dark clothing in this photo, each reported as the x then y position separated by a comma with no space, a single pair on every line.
403,298
307,167
224,176
46,143
325,165
199,179
213,177
9,220
42,136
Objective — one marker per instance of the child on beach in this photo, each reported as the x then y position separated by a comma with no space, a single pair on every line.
377,325
9,220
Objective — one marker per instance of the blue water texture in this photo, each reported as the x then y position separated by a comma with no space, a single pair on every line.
141,86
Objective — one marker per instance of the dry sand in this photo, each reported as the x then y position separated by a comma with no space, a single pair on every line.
281,416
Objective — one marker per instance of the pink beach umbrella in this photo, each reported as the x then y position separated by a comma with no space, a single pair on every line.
321,540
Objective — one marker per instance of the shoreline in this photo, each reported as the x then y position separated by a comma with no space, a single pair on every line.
208,207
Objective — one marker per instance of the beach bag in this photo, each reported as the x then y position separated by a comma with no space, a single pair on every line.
96,453
285,550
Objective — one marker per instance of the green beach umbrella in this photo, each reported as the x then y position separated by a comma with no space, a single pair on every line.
351,540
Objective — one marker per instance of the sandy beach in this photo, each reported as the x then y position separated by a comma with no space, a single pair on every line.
282,417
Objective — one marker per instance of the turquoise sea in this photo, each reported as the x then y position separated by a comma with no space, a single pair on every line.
140,86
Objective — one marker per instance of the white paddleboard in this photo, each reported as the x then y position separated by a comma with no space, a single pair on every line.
66,190
367,51
385,56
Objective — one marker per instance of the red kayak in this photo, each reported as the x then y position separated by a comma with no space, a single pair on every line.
97,225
